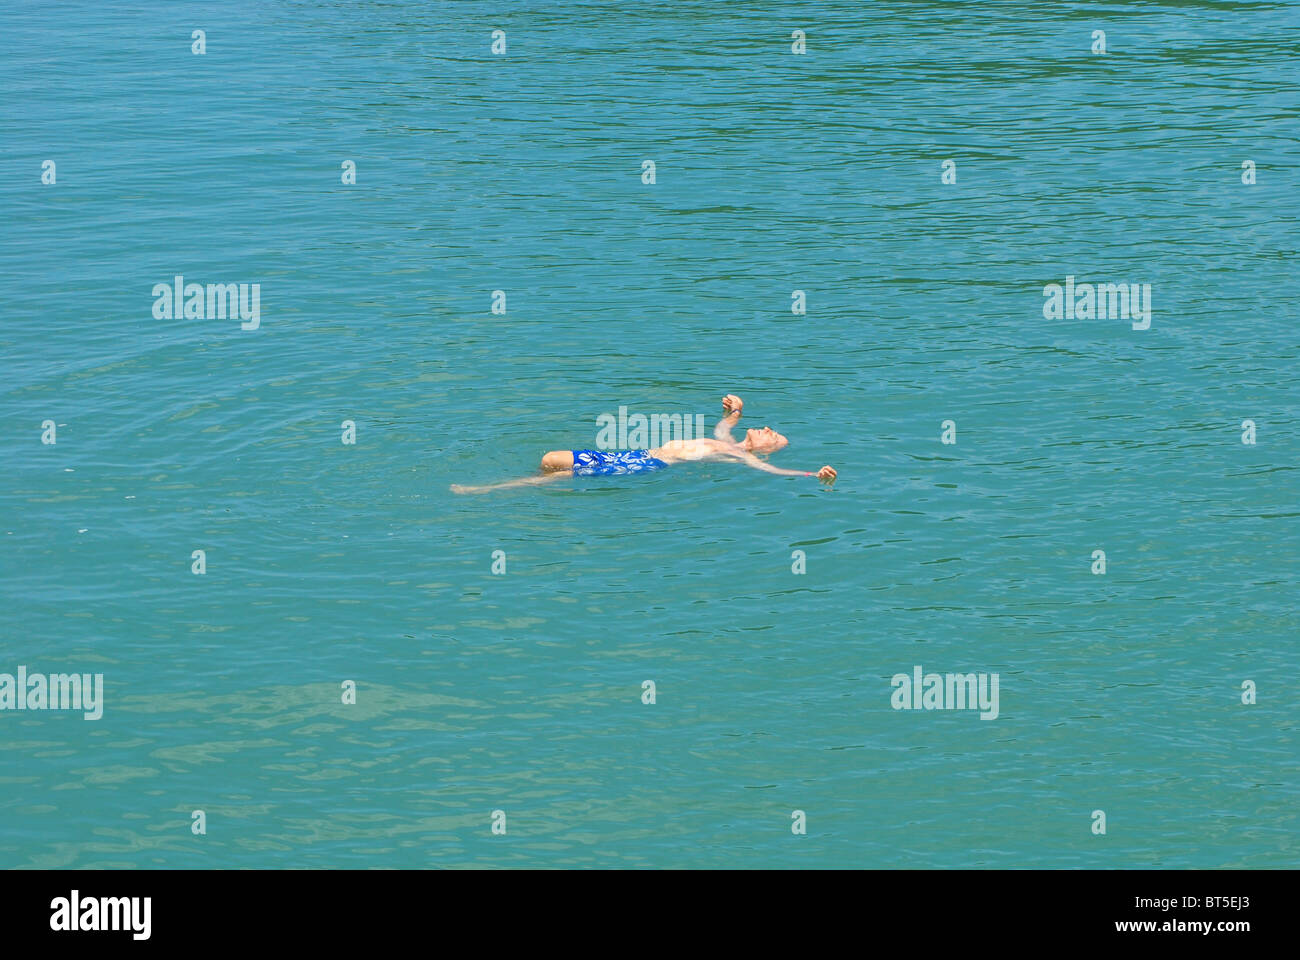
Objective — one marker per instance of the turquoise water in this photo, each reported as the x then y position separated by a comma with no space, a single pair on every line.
521,692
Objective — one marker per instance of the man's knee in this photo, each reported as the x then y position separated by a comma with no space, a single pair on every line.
558,460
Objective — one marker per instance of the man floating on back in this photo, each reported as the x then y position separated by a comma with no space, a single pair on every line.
723,447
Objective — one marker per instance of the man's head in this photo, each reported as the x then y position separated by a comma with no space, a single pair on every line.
765,440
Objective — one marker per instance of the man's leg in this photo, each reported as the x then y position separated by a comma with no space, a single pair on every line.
555,464
557,460
521,482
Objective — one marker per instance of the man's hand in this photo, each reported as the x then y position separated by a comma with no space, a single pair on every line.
826,474
732,404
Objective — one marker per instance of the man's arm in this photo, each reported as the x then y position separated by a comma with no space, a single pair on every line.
732,405
825,474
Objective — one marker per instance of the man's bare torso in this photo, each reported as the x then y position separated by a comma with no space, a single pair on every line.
676,451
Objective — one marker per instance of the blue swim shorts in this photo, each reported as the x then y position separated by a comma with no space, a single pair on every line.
605,463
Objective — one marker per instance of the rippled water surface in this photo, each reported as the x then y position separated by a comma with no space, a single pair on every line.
521,692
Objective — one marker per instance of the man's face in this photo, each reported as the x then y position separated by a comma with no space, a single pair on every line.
765,440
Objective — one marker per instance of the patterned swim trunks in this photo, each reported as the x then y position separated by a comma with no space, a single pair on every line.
605,463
